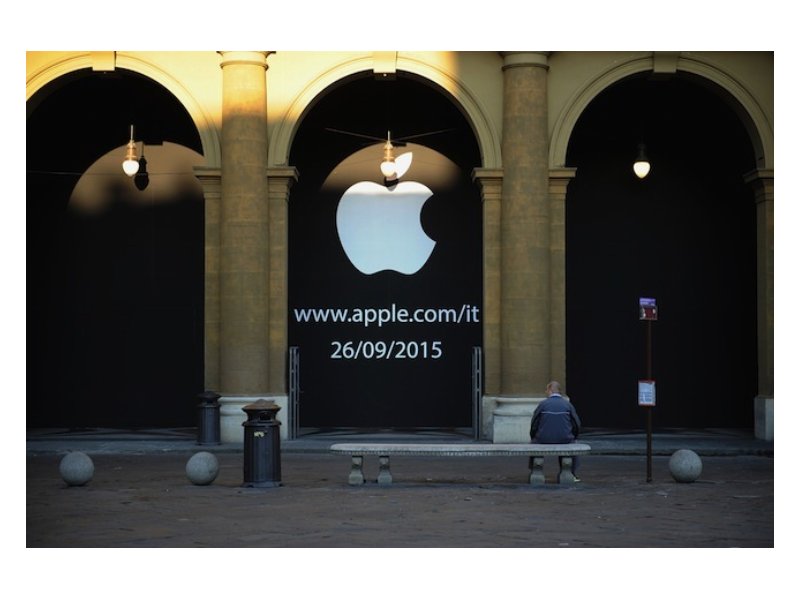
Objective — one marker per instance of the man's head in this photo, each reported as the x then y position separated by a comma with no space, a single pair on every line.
553,388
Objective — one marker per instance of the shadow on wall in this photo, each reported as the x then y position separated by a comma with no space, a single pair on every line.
115,280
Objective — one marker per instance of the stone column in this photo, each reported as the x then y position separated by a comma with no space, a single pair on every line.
244,239
212,193
525,227
559,180
524,283
280,181
490,182
762,183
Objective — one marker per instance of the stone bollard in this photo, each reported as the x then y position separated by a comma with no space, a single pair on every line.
202,468
685,466
76,468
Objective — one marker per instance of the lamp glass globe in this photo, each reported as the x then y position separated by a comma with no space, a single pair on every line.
388,168
641,168
131,167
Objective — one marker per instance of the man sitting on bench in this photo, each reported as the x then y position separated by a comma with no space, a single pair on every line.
555,421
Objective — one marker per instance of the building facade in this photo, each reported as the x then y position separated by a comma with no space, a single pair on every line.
260,252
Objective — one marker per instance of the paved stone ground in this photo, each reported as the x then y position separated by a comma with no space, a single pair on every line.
147,501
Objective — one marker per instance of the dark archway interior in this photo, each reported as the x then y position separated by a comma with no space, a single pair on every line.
685,235
399,393
115,298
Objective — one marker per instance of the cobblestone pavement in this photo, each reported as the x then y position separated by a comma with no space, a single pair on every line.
146,501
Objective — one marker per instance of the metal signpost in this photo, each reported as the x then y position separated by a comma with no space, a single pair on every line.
477,391
648,312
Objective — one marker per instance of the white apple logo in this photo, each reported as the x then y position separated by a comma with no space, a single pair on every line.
379,226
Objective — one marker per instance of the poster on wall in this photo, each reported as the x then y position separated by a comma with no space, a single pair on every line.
385,292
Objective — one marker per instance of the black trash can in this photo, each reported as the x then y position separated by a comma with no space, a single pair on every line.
262,445
208,419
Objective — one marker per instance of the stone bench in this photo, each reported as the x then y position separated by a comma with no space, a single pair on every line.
536,452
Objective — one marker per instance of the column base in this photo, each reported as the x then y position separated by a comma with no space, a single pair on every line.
231,416
511,418
764,417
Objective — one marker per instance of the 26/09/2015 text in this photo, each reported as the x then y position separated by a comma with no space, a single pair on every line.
382,350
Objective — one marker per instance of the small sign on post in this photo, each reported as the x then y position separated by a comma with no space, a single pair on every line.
648,311
647,392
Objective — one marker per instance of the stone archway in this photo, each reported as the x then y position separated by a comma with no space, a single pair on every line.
754,118
115,264
741,100
108,62
487,137
685,235
411,370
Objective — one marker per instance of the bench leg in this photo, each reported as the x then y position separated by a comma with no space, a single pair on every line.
565,474
356,471
384,474
536,464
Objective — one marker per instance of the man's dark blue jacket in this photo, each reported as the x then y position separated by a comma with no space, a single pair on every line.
555,421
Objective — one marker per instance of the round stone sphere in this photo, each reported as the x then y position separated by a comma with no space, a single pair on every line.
202,468
685,466
76,468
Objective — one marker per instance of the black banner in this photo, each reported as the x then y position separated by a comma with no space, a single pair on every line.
385,291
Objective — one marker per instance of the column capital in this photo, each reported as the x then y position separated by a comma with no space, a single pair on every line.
283,172
563,173
207,173
481,174
762,181
256,58
210,179
280,180
560,179
759,175
490,182
524,59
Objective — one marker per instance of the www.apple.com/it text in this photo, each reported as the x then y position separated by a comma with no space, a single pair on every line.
380,350
467,313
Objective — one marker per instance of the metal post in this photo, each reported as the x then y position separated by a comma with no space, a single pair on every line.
208,419
649,409
477,390
648,311
294,392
